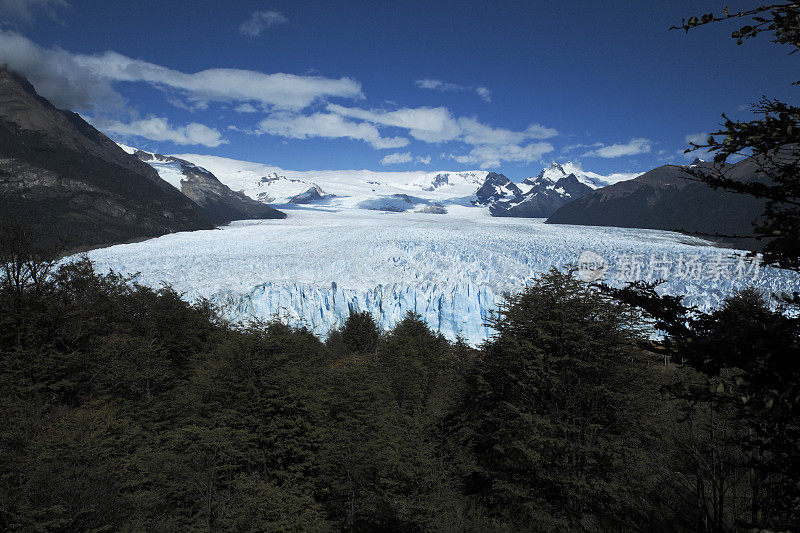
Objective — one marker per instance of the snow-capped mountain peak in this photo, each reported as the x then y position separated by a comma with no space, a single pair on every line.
556,184
556,171
496,187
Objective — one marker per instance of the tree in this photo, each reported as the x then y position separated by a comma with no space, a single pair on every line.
744,401
555,400
25,268
413,356
360,332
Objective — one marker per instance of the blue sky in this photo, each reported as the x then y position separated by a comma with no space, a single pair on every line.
506,86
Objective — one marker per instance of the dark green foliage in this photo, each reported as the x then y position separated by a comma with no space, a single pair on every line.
386,461
555,403
125,408
752,354
360,332
740,393
740,399
413,356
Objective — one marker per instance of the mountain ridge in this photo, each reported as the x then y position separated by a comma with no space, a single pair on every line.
204,188
67,180
665,199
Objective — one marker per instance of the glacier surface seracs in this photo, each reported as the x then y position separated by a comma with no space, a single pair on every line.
320,262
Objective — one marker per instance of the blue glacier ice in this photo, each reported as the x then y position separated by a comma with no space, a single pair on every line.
317,264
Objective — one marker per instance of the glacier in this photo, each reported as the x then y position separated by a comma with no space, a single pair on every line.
315,266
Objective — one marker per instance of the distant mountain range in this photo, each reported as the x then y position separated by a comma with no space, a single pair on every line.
69,180
341,188
61,176
540,197
562,192
426,192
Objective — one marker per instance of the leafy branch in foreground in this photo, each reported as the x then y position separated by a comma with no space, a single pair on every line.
782,20
772,141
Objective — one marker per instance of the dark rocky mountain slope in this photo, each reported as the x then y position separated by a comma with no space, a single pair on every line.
664,199
542,199
496,187
67,180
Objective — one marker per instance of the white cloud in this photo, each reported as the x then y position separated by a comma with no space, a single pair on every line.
404,157
438,85
327,125
632,147
487,156
26,10
397,158
475,132
484,93
260,20
288,91
428,124
437,124
159,129
246,107
56,75
86,82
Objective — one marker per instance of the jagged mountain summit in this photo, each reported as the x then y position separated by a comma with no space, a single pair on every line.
61,176
532,198
536,197
203,188
541,197
495,188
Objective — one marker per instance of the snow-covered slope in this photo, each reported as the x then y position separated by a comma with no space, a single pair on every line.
452,269
348,187
221,203
366,187
555,171
168,169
